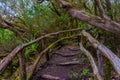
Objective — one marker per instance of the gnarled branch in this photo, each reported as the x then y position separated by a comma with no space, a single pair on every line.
92,62
115,60
43,52
105,24
4,63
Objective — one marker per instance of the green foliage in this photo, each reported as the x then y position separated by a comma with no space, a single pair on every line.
6,35
75,74
90,79
109,46
83,26
42,18
96,32
85,72
30,50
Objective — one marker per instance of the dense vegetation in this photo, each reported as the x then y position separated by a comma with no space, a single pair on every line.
22,21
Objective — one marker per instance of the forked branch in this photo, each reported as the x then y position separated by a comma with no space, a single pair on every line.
96,21
115,60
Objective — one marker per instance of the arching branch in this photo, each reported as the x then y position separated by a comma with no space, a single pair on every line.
4,63
92,62
115,60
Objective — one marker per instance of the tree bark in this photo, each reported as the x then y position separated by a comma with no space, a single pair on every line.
22,63
95,8
108,6
101,10
92,62
114,60
105,24
4,63
100,63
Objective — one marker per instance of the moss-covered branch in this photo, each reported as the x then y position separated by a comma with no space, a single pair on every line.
4,63
43,53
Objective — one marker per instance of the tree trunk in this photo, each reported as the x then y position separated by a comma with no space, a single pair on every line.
108,6
105,24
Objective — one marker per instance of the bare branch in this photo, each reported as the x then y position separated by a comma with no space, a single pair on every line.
100,63
50,77
69,63
22,62
92,62
43,52
108,25
115,60
4,63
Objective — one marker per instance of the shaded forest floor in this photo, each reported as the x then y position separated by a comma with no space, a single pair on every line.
66,64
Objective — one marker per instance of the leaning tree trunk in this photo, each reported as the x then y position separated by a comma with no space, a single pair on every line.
105,24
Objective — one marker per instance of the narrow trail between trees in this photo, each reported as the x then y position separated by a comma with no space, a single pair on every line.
66,64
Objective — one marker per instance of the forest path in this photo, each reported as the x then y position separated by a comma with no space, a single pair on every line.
65,64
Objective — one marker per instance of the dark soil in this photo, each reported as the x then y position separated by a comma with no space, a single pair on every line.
73,70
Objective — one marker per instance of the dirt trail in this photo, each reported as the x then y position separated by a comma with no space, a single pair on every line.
66,64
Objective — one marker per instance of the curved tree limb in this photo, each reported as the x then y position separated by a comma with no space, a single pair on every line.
115,60
92,62
43,52
4,63
105,24
100,63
